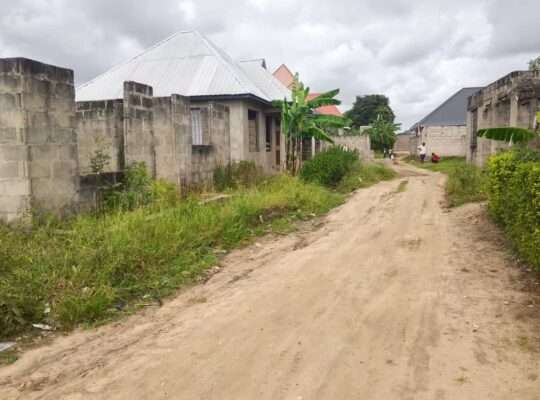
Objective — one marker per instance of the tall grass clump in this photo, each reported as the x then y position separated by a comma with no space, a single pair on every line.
88,269
513,189
466,182
237,174
363,175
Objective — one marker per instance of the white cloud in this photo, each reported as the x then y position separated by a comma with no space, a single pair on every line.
418,52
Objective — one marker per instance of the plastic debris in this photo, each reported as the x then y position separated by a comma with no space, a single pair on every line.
43,327
5,346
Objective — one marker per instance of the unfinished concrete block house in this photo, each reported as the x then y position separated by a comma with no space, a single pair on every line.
183,107
444,130
511,101
184,84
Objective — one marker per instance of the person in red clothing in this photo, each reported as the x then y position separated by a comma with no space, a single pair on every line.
435,158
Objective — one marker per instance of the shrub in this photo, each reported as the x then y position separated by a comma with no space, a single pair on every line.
513,190
138,189
329,167
237,174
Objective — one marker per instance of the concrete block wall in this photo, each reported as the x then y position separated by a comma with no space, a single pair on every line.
138,126
172,138
360,143
204,159
100,127
446,141
38,145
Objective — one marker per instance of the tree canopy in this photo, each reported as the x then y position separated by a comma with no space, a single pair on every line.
382,134
534,65
367,109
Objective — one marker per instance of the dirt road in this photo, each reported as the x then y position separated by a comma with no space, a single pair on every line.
392,297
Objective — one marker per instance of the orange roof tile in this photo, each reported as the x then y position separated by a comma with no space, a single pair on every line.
325,110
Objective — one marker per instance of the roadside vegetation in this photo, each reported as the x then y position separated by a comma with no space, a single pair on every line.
513,189
342,170
148,242
466,182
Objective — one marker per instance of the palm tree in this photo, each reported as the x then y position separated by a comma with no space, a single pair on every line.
299,121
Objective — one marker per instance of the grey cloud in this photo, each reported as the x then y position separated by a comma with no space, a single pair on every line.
417,52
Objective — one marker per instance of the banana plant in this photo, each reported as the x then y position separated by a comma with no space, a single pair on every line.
299,120
507,134
512,134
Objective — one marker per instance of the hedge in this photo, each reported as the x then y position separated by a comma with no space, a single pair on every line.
513,189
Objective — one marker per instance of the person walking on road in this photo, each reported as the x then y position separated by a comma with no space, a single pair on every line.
422,151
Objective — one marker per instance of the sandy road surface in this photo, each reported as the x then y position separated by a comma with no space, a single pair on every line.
391,298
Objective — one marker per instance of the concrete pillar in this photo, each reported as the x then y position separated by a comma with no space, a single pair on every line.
38,144
138,126
172,138
514,110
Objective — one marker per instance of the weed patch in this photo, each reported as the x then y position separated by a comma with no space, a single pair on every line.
363,175
466,183
92,268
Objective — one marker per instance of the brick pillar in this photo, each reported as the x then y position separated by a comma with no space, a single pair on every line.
138,126
38,144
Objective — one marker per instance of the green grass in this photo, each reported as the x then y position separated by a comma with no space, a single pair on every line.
466,183
95,268
92,269
364,175
8,357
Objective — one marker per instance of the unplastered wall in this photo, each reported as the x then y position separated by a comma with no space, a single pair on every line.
446,141
360,143
100,128
38,144
138,126
217,150
172,138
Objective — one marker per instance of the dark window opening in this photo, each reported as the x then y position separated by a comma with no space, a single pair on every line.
253,131
268,134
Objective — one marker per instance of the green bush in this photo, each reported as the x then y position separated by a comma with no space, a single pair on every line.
513,189
237,174
138,189
329,167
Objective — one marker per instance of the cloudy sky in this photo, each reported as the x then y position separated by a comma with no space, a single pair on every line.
416,52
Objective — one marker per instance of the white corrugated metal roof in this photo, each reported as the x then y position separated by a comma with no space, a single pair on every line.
265,81
186,63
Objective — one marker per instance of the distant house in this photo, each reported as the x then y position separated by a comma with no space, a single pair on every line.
230,104
309,147
325,110
285,76
444,130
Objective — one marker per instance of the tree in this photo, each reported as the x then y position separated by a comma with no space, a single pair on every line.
534,65
367,109
300,121
382,133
